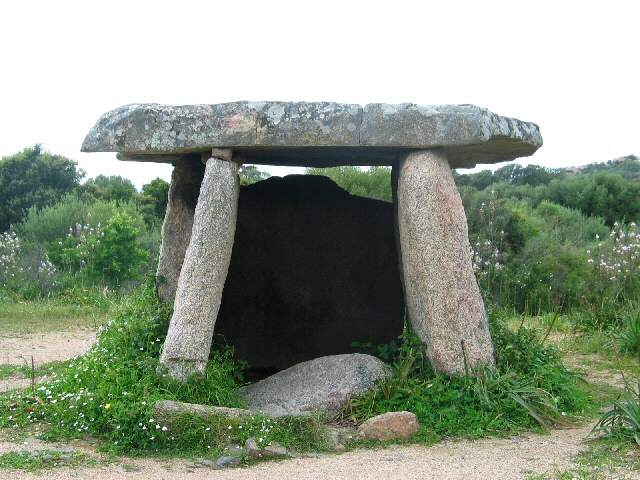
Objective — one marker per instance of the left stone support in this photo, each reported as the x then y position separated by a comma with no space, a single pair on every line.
206,262
178,222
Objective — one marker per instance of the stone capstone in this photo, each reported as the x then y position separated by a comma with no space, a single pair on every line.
444,308
389,426
313,270
312,134
323,385
204,270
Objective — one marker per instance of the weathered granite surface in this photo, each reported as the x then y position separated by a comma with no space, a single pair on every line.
206,262
323,384
314,134
178,222
444,303
390,426
169,413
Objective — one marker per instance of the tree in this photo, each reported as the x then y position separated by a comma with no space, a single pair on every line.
480,180
33,177
604,195
533,175
250,174
103,187
153,200
374,182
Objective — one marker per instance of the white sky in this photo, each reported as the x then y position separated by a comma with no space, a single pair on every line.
571,67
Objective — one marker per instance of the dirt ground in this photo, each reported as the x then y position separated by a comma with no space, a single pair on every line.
504,458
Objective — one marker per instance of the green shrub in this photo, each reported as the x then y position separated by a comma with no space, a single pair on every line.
529,387
374,182
109,255
622,421
627,336
25,272
53,222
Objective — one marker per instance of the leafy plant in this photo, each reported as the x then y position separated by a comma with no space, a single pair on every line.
627,336
110,255
529,387
622,421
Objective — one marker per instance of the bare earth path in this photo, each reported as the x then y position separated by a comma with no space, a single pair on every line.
44,348
510,458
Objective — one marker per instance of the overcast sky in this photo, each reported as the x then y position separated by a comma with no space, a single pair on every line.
568,66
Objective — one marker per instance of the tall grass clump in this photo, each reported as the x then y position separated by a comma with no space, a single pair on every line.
622,420
530,388
25,271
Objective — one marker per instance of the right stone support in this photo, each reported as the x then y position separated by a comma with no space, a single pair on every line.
443,300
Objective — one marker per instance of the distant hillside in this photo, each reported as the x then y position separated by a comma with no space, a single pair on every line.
627,167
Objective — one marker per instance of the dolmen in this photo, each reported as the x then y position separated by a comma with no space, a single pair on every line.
312,301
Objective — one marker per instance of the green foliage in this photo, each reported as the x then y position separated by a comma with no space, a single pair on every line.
63,247
194,433
375,182
628,167
33,178
109,391
540,365
109,255
627,336
110,188
119,255
622,421
250,174
54,222
25,272
44,460
529,387
604,195
513,173
153,200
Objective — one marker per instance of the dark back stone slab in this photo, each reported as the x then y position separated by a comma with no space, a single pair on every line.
313,269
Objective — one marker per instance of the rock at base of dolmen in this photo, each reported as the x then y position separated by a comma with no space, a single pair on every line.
169,413
323,385
389,426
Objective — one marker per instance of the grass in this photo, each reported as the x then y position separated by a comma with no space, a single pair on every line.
43,460
42,316
603,459
39,370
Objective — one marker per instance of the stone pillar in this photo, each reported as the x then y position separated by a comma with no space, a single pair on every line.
178,222
443,300
186,348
